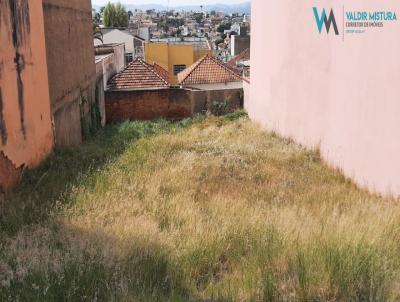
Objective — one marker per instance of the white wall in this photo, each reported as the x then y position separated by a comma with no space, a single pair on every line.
219,86
117,36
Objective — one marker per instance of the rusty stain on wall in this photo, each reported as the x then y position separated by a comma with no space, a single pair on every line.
20,24
3,129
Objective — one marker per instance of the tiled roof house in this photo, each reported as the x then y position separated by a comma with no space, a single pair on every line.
241,63
210,73
139,75
242,57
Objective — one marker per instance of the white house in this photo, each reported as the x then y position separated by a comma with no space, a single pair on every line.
117,36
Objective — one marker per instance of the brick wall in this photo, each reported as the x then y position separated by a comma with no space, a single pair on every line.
167,103
147,105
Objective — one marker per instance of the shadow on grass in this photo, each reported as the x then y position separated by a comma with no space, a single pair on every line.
86,266
52,184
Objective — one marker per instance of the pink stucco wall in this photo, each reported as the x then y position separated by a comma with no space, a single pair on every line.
340,96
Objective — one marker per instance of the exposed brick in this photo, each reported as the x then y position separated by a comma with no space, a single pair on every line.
147,105
166,103
9,173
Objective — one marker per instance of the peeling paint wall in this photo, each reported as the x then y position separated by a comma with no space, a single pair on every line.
26,135
71,68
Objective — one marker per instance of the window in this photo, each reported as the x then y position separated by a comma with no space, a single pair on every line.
179,68
128,58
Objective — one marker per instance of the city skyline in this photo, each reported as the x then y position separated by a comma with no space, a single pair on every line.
171,2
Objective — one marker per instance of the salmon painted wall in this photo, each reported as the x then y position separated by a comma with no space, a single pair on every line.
26,135
340,93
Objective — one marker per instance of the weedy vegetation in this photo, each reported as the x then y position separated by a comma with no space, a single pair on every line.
207,209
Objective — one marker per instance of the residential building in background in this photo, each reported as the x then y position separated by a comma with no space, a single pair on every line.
241,63
117,36
140,75
176,54
240,42
209,73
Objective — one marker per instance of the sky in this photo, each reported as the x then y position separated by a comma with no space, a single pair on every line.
172,2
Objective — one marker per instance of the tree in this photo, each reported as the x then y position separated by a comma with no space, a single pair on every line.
233,33
198,17
97,34
115,15
219,41
96,19
224,27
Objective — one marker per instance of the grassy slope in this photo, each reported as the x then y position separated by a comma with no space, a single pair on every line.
203,210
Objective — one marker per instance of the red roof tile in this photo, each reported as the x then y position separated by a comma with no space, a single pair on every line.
208,70
243,56
140,75
162,72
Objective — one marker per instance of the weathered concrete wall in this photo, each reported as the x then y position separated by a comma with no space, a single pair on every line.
239,44
111,60
246,95
26,135
233,98
71,67
167,103
340,93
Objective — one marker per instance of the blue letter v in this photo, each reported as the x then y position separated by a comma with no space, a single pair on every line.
320,21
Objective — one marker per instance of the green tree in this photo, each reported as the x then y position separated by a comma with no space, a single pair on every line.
198,17
115,15
224,26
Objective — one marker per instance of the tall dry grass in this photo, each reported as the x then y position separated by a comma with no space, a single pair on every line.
213,209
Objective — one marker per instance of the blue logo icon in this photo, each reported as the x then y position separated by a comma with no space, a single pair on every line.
324,20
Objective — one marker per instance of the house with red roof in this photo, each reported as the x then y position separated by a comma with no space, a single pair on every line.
143,91
139,75
209,73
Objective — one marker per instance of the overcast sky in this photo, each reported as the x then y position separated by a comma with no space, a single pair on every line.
172,2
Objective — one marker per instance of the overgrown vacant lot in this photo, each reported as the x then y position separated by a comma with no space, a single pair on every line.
210,209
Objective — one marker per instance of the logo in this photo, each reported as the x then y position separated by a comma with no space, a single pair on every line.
324,20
